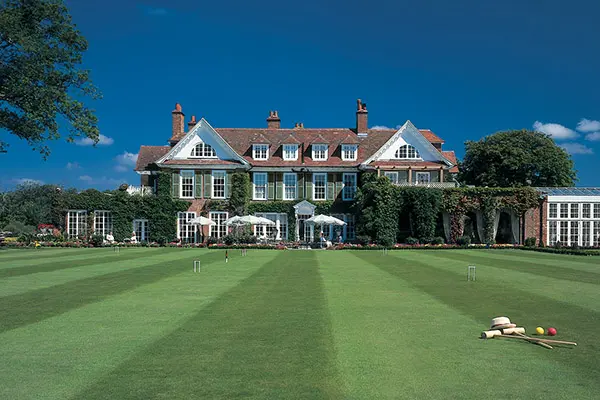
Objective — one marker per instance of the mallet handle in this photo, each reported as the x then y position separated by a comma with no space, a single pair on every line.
534,341
538,340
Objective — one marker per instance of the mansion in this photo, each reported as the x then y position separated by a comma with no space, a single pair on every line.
300,165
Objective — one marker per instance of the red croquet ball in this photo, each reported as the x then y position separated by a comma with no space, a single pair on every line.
551,332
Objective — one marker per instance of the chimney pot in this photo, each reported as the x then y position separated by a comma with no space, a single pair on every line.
361,117
273,122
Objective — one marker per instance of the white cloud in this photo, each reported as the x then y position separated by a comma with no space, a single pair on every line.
73,165
125,161
27,181
102,181
385,128
577,148
102,141
556,131
586,125
594,136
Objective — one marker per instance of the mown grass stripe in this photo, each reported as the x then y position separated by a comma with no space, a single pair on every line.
590,264
37,305
28,254
59,357
536,268
267,338
62,263
483,300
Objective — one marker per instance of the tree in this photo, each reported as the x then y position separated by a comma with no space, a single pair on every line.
516,158
40,80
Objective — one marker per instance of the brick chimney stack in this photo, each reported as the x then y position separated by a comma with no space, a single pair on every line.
192,123
362,125
273,122
178,124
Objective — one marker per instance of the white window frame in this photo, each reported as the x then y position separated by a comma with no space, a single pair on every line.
288,174
290,148
390,174
420,173
350,149
206,151
258,150
219,230
314,194
186,174
188,228
410,151
142,224
212,186
279,231
319,149
264,175
574,225
104,218
76,223
349,192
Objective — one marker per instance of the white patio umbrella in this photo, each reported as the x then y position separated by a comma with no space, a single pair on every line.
201,221
254,220
325,220
236,220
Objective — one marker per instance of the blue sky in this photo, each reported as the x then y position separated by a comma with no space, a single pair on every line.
464,69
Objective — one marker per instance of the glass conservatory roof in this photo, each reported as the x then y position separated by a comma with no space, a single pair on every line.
570,191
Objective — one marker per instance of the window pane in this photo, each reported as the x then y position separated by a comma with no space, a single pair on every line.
290,152
102,223
218,184
597,210
186,231
320,186
585,233
289,184
564,232
586,210
596,234
552,232
564,210
350,227
349,190
575,210
553,210
219,230
187,184
260,186
319,151
574,232
393,176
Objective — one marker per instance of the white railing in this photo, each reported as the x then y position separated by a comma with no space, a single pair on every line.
439,185
140,190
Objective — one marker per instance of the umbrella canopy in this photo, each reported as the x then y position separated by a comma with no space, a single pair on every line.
253,220
235,221
325,220
201,221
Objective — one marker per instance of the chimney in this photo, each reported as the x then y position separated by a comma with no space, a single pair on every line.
178,124
192,123
361,117
273,122
299,125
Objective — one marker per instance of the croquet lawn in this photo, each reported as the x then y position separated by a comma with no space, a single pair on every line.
140,324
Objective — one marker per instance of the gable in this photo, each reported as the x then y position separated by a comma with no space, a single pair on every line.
202,132
408,134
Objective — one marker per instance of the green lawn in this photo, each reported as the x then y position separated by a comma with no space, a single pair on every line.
140,324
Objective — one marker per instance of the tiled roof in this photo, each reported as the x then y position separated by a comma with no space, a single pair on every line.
451,156
404,163
429,135
201,161
241,139
148,155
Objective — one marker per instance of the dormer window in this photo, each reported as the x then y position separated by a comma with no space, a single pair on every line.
349,152
407,152
260,151
290,152
203,150
319,152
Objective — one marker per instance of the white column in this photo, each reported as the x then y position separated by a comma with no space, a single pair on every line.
312,232
264,230
278,227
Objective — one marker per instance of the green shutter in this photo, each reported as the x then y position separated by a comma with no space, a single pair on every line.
309,187
279,186
207,184
271,184
300,186
331,186
198,179
175,185
227,185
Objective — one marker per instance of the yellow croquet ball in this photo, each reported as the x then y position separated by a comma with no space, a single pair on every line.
539,330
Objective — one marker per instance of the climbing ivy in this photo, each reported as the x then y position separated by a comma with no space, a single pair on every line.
240,193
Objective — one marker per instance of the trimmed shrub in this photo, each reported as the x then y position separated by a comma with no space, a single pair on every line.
411,241
97,240
437,240
530,242
463,241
